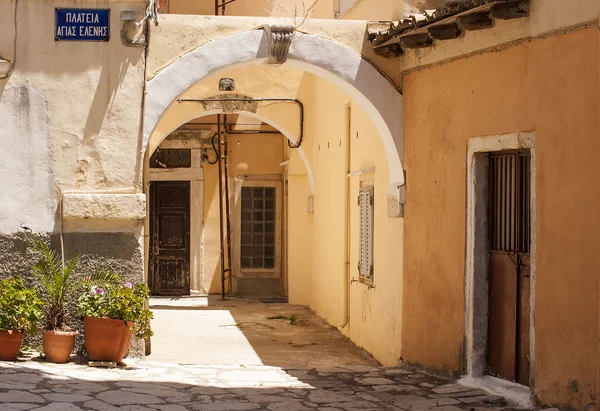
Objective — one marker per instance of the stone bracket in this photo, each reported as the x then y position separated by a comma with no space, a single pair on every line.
396,202
280,40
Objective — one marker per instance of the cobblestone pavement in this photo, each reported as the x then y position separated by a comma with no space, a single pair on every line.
148,386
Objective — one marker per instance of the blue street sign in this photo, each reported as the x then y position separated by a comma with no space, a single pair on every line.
82,24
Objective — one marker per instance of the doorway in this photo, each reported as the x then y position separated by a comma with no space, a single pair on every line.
500,257
169,268
510,248
257,257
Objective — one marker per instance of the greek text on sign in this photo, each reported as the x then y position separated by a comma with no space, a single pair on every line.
82,24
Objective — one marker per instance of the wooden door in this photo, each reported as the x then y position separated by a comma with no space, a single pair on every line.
169,267
510,233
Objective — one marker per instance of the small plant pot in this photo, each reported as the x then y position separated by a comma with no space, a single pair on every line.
10,344
58,345
106,339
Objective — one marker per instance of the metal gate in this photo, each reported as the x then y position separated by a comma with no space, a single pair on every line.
510,238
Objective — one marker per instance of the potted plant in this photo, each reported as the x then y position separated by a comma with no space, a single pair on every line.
111,314
20,310
58,283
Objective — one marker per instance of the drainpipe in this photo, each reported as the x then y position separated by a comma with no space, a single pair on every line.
347,225
221,230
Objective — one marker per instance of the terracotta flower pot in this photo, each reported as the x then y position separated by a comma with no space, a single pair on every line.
10,344
106,339
58,345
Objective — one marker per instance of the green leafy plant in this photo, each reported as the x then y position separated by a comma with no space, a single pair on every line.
57,280
293,319
20,307
120,302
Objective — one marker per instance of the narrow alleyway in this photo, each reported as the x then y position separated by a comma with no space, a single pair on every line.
240,354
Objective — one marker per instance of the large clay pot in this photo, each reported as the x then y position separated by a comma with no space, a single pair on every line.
10,344
106,339
58,345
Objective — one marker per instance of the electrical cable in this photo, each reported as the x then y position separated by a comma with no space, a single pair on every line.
212,142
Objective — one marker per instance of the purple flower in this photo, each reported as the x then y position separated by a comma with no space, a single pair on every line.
99,291
128,285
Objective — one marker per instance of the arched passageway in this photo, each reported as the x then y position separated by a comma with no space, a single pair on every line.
375,94
354,115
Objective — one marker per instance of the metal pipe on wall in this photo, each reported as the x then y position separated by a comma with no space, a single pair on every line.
347,225
281,100
221,234
227,207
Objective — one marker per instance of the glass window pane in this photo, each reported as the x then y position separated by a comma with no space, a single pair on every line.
246,263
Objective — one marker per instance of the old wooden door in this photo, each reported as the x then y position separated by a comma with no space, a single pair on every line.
510,233
169,267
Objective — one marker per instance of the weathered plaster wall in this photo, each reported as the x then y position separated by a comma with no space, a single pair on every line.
550,87
263,8
373,10
69,121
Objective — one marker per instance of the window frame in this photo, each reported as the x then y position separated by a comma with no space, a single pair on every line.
236,201
366,186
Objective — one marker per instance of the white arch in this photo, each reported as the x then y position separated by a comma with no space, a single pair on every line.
199,112
336,63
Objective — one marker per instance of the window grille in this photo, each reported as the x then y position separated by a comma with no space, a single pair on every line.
258,228
366,203
171,158
510,197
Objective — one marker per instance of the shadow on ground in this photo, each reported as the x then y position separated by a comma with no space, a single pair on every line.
159,386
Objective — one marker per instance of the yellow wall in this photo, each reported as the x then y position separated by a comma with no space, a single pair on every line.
255,154
280,8
550,87
375,314
374,10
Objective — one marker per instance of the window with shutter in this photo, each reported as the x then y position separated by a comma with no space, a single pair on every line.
366,203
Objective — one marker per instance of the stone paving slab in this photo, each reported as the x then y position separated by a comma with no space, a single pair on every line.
151,386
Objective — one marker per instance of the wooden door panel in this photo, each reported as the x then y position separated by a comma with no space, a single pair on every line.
509,287
524,365
170,238
503,316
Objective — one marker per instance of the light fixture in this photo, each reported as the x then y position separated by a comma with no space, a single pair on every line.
5,68
226,84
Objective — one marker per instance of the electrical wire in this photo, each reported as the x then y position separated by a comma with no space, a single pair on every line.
212,142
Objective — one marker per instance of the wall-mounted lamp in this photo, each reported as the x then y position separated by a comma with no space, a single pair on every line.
6,67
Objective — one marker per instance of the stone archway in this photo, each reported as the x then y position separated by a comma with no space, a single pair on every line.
340,65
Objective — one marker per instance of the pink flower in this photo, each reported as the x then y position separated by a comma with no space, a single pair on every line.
99,291
128,285
91,293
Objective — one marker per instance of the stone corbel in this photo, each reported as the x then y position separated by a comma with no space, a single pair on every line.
397,201
280,40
